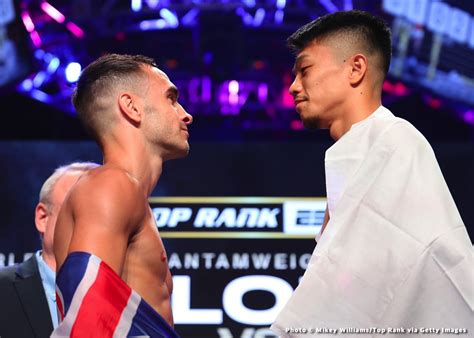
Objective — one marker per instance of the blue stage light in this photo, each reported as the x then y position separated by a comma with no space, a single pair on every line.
53,65
27,85
170,18
147,25
259,16
39,54
40,96
189,18
39,78
279,15
249,3
246,17
348,5
328,4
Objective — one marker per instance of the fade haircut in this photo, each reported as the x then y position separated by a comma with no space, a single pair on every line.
97,82
48,186
362,29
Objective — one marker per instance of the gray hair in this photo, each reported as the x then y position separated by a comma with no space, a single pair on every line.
48,185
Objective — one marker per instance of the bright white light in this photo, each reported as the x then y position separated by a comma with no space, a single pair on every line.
73,71
281,4
53,12
136,5
233,87
233,93
169,17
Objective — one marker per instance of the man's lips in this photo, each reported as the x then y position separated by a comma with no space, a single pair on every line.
298,101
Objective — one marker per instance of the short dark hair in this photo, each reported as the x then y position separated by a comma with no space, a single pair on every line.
97,79
371,31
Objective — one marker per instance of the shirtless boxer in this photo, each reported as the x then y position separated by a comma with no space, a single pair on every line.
131,109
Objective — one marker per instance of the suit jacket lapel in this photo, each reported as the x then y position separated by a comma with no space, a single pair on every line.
31,293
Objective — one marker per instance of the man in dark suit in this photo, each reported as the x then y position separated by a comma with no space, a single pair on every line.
24,309
27,290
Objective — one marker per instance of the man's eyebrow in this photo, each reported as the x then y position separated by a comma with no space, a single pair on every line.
172,90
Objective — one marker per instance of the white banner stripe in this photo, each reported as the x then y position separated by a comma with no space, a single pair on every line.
64,329
128,313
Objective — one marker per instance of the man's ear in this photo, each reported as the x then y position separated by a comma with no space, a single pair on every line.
41,217
129,106
358,64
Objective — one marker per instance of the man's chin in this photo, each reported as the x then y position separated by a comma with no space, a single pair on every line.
311,123
183,152
177,153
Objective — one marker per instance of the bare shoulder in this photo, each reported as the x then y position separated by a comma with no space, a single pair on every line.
109,193
106,209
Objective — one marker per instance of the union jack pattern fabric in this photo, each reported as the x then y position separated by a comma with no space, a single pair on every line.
93,301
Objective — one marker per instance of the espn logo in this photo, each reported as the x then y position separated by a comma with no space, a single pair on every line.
303,217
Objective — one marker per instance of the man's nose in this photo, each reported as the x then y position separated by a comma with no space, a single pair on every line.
295,87
187,118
